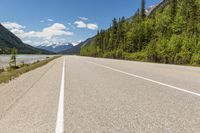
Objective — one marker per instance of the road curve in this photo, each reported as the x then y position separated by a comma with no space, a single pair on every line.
102,95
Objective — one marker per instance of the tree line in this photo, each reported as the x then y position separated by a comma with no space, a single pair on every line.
170,35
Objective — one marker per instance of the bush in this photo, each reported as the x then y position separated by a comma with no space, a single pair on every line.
185,54
110,54
162,50
152,54
2,70
183,58
139,56
119,54
195,59
12,68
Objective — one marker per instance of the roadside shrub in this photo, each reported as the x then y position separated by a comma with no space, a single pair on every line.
185,55
152,54
23,65
162,50
110,54
2,70
119,54
138,56
12,68
174,47
195,59
183,58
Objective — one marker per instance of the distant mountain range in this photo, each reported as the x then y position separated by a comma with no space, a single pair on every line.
75,50
8,41
56,47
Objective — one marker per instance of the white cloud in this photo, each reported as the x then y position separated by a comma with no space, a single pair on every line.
92,26
56,32
81,24
12,25
50,20
41,21
56,29
83,18
17,31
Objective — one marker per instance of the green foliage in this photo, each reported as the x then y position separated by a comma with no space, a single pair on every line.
170,35
2,70
195,59
138,56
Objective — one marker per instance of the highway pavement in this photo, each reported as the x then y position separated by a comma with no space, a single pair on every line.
76,94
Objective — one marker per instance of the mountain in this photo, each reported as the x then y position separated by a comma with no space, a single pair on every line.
56,47
76,49
166,33
8,41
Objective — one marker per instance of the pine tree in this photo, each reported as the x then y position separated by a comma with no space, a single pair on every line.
142,10
173,6
113,39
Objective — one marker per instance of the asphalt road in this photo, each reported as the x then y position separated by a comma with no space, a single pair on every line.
91,95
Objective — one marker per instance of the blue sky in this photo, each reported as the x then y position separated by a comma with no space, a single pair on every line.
53,21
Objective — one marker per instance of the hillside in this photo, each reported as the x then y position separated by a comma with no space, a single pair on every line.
169,34
8,41
76,49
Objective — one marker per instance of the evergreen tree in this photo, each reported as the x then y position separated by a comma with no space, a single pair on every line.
173,6
142,10
169,35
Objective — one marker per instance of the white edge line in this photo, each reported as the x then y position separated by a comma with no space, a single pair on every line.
147,79
60,113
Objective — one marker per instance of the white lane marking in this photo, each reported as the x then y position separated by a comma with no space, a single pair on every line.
147,79
60,113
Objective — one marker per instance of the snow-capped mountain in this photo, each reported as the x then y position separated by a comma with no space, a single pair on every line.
56,47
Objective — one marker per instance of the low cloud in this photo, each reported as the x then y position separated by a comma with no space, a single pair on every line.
82,24
56,29
92,26
12,25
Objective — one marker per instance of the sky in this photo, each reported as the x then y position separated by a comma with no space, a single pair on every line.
39,22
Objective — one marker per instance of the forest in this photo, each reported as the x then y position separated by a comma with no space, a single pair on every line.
170,34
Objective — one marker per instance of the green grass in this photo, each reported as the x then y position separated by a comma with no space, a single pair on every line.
9,75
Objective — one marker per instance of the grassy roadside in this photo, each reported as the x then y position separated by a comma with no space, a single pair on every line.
7,76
